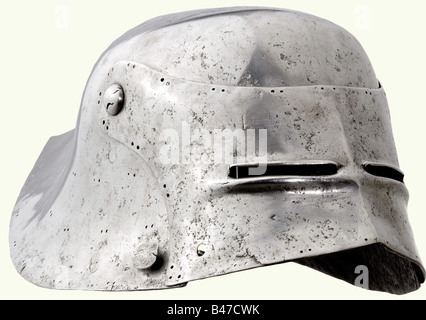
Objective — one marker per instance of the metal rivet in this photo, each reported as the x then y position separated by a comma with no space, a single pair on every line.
201,250
114,99
145,256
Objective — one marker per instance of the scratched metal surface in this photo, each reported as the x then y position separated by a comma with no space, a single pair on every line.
102,211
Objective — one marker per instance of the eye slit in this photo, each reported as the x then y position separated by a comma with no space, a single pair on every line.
384,171
286,169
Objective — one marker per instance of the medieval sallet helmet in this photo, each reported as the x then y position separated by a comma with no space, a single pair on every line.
215,141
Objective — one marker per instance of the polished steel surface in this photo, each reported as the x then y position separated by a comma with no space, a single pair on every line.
216,141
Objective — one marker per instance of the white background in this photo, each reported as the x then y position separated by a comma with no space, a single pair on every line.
48,49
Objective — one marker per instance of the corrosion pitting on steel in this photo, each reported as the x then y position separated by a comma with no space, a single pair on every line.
215,141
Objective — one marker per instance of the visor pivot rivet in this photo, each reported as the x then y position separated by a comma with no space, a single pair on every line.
114,99
145,256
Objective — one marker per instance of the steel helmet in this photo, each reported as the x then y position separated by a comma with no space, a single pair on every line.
215,141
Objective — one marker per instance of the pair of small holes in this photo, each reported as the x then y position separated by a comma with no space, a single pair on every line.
214,89
137,147
322,88
168,194
162,80
103,123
